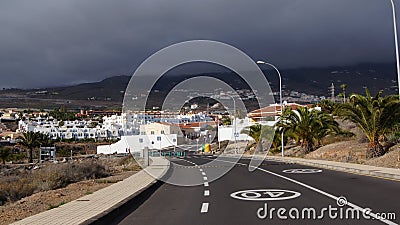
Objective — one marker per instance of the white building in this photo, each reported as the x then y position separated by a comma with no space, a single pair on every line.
68,129
136,143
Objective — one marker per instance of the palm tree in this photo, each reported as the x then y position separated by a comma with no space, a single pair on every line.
307,126
30,140
375,116
259,133
44,139
253,131
327,106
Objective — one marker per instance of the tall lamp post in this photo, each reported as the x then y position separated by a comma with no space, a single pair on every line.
234,120
396,44
280,96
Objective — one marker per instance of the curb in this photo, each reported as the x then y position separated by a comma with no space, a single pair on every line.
115,214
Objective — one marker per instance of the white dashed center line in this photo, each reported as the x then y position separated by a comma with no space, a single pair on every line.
206,193
206,184
205,178
204,207
202,173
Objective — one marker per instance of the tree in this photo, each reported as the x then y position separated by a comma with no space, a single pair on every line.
5,154
327,106
259,133
44,139
344,86
227,121
253,131
30,140
94,124
375,116
307,126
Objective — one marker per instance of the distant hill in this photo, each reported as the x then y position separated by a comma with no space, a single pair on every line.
308,80
316,81
110,89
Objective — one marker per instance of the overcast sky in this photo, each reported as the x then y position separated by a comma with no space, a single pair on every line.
46,42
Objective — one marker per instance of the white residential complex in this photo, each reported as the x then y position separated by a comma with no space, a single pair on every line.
112,127
67,129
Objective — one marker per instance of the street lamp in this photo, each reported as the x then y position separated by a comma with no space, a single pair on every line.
280,95
396,44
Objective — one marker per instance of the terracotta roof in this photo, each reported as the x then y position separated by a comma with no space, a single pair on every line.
195,124
167,124
272,110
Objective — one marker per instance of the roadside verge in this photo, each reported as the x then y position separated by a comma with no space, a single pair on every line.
91,207
381,172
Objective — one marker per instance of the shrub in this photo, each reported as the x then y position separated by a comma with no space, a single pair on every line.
15,187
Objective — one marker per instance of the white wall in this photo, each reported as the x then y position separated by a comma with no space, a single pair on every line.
138,142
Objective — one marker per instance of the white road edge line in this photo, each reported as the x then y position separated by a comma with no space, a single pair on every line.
206,193
316,190
206,184
204,207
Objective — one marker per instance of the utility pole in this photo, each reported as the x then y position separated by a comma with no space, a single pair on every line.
332,90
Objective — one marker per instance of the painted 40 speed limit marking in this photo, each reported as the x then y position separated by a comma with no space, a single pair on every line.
265,195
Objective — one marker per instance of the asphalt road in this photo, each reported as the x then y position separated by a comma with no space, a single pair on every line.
243,197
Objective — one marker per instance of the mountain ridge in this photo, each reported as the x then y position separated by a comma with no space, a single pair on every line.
314,81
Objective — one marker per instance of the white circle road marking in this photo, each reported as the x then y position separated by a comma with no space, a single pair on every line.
302,171
270,195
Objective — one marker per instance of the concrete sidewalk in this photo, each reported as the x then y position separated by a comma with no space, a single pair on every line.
381,172
100,202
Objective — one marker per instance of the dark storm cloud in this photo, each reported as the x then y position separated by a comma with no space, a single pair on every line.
47,42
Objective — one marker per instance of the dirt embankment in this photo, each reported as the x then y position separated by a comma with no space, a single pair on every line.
44,198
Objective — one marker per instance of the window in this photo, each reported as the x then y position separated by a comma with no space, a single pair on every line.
140,140
158,138
162,132
152,132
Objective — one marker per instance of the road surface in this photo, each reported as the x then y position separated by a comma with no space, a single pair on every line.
275,193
